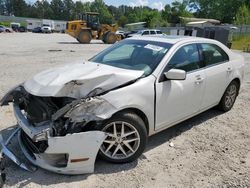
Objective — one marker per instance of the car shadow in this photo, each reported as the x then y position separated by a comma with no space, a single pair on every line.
15,175
95,42
176,130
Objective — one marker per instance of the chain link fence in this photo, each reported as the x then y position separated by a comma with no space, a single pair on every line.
241,31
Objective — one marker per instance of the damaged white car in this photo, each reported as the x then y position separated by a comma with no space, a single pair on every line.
113,102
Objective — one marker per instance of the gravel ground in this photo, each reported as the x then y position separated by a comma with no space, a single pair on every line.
210,150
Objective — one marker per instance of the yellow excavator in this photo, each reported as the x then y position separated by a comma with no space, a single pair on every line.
88,27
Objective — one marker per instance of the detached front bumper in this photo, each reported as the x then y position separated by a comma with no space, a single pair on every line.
70,154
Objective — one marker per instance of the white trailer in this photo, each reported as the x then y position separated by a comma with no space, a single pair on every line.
60,26
33,23
55,25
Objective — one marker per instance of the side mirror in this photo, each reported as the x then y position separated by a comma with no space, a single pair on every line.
175,74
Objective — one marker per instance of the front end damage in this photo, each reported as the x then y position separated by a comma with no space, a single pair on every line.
60,134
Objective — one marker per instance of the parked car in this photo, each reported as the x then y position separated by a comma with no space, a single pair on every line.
2,29
46,29
22,29
129,33
147,32
122,33
15,26
5,29
112,103
37,30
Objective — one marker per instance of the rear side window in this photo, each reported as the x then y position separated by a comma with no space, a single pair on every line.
186,58
158,32
152,32
213,54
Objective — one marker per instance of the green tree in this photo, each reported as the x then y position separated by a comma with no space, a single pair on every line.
68,10
243,15
223,10
15,7
105,16
122,21
57,7
177,9
41,9
80,8
116,12
132,18
152,18
166,12
2,7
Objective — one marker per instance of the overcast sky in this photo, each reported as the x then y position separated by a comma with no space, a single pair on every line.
158,4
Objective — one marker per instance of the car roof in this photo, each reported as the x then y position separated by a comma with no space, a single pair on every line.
172,39
149,30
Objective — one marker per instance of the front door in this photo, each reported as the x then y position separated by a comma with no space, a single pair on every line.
178,99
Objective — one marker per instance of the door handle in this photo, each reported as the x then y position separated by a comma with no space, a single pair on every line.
199,80
229,69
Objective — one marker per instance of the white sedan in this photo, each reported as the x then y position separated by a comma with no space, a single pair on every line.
46,29
147,32
112,103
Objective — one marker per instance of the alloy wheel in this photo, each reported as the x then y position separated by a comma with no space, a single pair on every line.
230,96
123,140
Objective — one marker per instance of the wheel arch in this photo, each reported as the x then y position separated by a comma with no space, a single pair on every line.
238,81
138,112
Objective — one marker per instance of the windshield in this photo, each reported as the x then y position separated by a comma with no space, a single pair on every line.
134,55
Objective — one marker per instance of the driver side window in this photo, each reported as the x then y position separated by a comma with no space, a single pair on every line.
145,33
186,58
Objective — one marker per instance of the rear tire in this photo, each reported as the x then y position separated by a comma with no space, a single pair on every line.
229,97
129,147
84,37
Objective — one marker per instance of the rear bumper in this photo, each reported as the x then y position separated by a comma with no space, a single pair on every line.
70,154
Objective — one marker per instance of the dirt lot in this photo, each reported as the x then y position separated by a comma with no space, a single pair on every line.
210,150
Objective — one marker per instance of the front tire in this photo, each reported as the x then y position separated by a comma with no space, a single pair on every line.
126,140
229,97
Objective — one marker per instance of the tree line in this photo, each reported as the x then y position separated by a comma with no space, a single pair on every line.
227,11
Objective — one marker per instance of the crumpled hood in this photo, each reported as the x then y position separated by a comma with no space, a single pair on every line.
79,79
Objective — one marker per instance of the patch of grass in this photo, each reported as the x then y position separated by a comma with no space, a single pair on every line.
240,42
7,24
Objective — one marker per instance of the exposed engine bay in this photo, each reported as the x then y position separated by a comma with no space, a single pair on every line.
64,115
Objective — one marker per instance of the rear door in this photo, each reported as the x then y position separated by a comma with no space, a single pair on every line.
178,99
217,73
158,33
152,32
